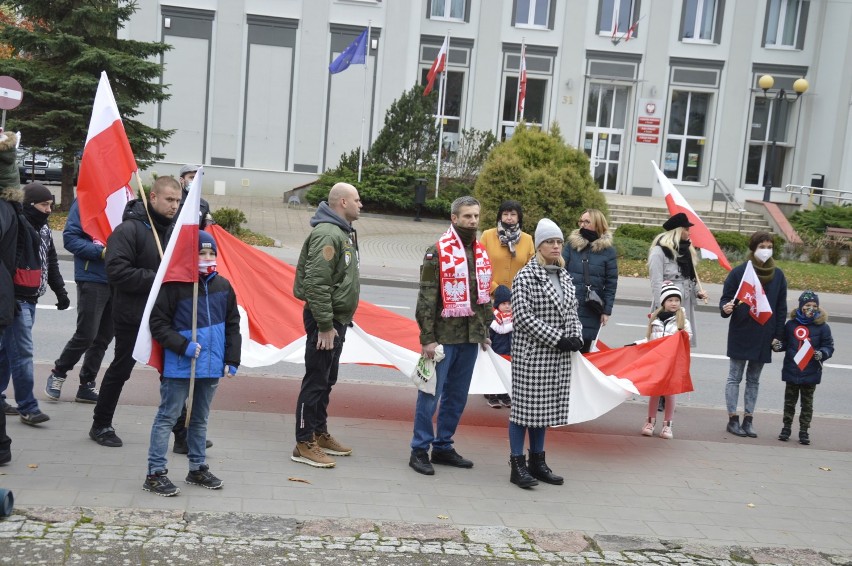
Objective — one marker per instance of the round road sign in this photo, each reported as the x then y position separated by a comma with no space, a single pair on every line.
11,93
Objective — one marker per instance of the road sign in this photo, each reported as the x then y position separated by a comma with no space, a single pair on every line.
11,93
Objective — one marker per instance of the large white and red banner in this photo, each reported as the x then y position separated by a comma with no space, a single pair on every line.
751,293
179,264
438,66
103,185
699,234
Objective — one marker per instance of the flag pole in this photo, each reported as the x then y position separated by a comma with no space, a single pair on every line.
192,362
148,212
442,95
524,62
518,90
366,67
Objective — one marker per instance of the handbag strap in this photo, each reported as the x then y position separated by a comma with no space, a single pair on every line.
586,270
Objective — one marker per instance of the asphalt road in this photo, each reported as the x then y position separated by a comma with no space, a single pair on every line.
709,363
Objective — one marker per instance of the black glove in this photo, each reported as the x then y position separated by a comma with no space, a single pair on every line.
62,301
563,345
575,343
817,355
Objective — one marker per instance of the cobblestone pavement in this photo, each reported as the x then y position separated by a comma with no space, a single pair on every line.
105,536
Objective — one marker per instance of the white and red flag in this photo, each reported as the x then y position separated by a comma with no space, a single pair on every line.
522,82
106,167
438,66
751,293
179,264
805,353
699,233
614,38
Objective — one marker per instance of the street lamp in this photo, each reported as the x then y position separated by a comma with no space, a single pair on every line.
766,82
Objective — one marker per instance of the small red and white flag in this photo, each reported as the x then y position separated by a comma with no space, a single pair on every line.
700,235
438,66
615,40
751,293
106,167
805,353
522,84
179,264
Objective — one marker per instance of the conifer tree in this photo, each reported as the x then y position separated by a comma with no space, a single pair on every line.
57,49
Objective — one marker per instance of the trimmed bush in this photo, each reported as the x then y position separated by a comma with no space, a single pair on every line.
638,232
630,248
231,219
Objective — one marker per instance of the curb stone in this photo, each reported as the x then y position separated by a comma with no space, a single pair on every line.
33,533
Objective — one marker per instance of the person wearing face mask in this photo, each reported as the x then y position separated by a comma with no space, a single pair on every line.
672,257
215,347
509,248
37,268
590,260
807,345
453,311
750,344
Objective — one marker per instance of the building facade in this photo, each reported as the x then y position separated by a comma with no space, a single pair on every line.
628,81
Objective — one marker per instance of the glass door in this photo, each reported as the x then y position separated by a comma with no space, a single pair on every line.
606,114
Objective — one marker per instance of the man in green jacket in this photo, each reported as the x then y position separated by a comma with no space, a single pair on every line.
327,280
454,311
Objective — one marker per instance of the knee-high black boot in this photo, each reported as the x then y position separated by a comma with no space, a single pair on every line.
541,471
520,474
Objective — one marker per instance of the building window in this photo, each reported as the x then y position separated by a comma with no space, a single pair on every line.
447,10
699,19
687,136
532,13
785,23
769,121
617,16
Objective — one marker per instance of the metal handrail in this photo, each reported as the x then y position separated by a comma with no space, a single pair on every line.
839,197
729,200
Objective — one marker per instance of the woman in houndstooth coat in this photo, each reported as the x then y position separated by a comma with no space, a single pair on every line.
547,329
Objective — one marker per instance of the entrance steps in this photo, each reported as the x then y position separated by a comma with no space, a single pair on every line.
734,221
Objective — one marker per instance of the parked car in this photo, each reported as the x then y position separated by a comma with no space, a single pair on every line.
39,167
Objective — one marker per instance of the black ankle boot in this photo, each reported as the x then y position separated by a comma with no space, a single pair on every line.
748,428
520,474
541,471
734,426
804,438
785,433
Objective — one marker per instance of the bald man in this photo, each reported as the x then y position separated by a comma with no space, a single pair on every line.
327,280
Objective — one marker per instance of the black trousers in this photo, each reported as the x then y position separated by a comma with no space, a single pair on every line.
116,374
320,376
93,334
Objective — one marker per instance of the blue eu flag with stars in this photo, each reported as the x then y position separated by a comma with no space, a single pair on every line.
355,53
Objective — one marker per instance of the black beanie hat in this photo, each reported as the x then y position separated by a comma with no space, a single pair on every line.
502,294
36,192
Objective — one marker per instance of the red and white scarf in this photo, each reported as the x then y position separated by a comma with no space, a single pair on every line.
454,275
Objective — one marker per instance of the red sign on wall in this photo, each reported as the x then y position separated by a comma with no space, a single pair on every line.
641,138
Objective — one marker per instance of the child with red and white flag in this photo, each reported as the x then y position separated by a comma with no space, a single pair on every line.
754,296
807,344
195,320
106,168
700,235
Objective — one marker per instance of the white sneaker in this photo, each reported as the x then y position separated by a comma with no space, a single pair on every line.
667,431
648,429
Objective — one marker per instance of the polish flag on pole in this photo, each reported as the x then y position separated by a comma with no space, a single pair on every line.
522,91
179,264
438,66
806,350
106,168
751,293
615,25
699,233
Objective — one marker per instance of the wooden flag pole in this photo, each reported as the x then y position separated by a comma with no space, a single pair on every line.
192,363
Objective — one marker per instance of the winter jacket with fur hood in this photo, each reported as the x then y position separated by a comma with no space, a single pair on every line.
603,276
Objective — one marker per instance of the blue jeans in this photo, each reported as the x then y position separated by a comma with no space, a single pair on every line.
732,388
452,375
516,439
16,359
173,395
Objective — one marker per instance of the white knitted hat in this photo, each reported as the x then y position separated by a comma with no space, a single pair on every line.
546,230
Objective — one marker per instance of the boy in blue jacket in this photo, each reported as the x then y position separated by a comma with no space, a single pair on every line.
808,343
216,352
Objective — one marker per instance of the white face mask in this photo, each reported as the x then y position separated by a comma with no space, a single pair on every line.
763,254
206,266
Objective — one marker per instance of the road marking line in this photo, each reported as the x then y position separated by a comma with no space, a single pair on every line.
392,307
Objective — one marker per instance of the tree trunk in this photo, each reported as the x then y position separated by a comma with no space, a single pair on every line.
67,192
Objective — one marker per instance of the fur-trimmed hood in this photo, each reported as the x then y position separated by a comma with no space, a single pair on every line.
12,195
9,140
579,243
821,318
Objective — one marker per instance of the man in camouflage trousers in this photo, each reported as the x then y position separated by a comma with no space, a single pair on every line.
453,310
